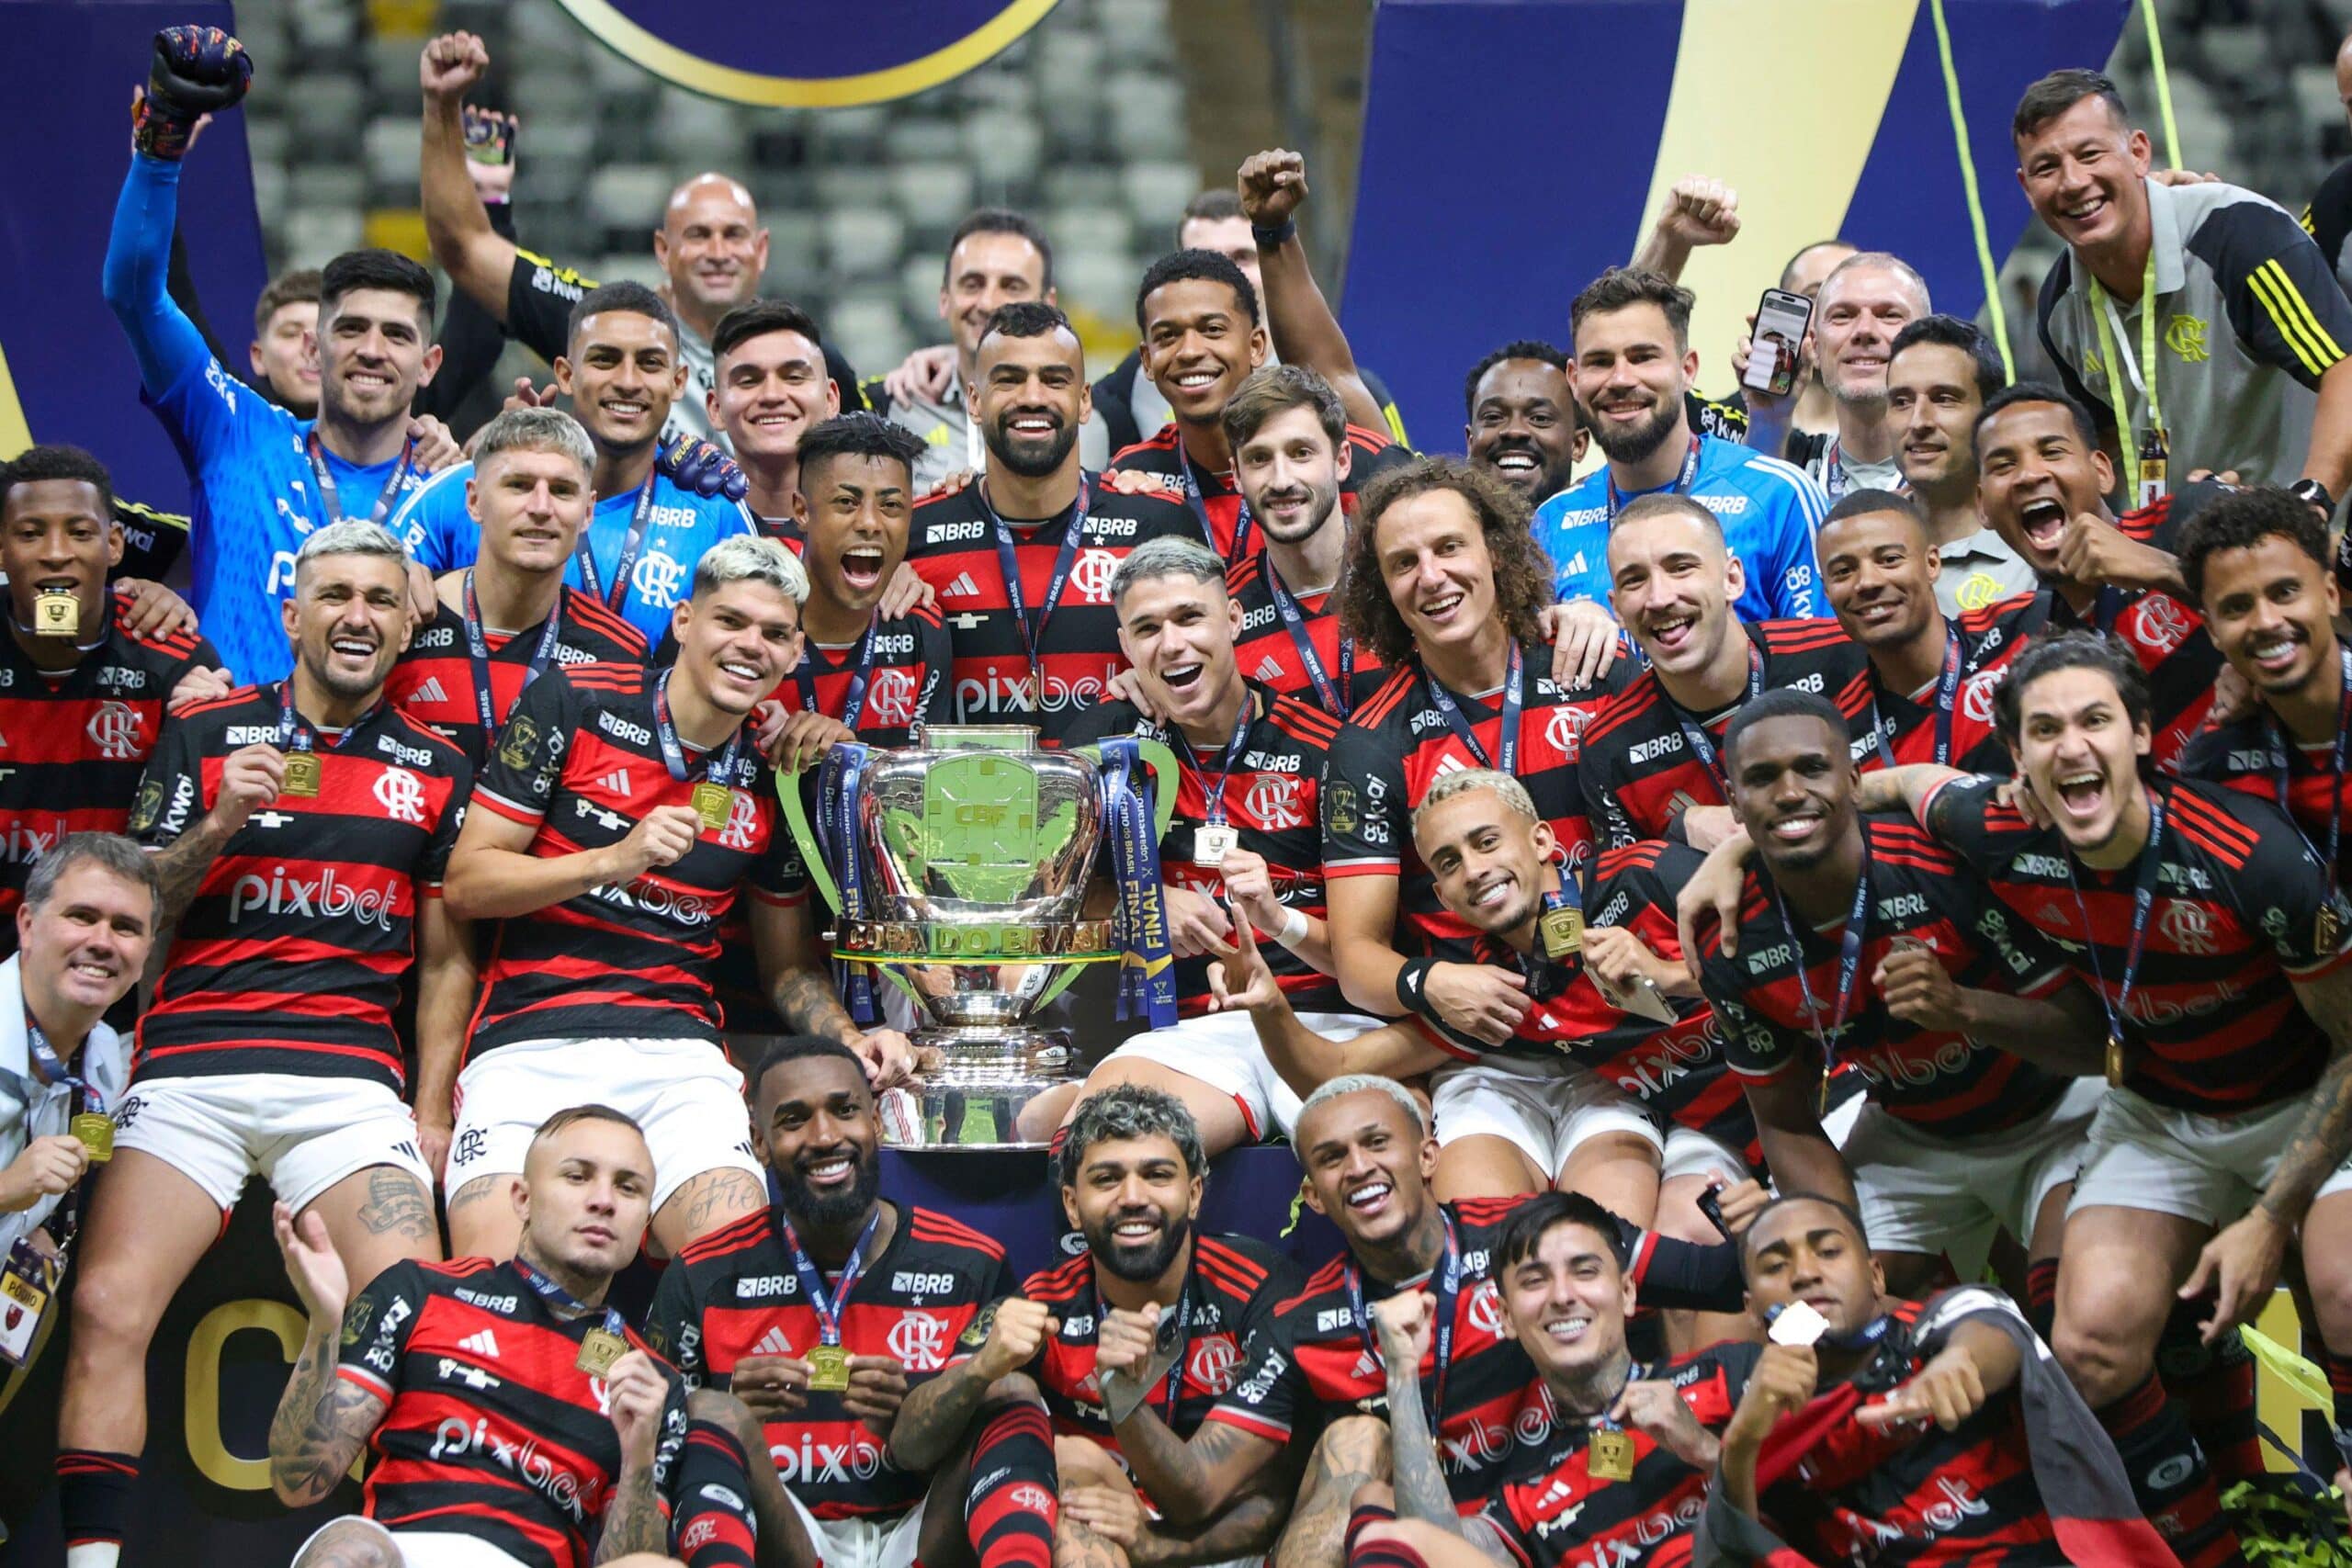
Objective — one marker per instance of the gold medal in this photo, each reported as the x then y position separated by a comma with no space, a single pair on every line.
2327,929
600,1351
56,613
714,804
1825,1076
94,1131
302,775
2115,1061
1609,1455
1562,932
828,1368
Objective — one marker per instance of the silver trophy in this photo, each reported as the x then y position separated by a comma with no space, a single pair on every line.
959,870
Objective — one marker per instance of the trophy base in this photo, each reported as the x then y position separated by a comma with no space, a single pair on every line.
973,1100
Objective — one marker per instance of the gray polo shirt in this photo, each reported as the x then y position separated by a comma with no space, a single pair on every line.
1978,570
2249,317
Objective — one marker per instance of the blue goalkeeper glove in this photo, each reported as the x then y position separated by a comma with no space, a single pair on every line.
196,71
696,465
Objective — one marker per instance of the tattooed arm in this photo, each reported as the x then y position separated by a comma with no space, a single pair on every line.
633,1521
792,966
1404,1325
935,1416
323,1419
1189,1481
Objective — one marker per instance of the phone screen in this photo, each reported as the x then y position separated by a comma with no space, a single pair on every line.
1781,321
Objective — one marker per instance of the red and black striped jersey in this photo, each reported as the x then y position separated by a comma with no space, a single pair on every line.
1270,801
2166,634
1268,655
926,1301
1566,1517
291,955
1989,639
2215,1028
2249,756
1397,743
580,762
1921,894
952,544
1638,770
1231,1287
1370,453
494,1429
435,678
75,742
905,687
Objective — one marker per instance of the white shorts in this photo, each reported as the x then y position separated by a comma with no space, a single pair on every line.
1923,1193
301,1135
1689,1152
1544,1111
862,1543
684,1093
1221,1050
2206,1169
425,1549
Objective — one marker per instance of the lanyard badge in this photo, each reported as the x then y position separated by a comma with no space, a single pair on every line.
2151,447
828,1358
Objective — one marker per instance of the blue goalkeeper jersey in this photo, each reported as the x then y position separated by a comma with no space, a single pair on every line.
1768,510
680,525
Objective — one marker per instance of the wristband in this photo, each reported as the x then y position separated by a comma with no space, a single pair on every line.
1412,986
2313,494
1276,238
1295,928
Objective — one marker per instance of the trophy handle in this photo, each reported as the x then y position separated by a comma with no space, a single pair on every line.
795,817
1163,765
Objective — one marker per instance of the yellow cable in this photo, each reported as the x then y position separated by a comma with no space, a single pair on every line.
1968,185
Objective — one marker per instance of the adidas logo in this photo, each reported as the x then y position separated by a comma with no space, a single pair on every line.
772,1343
483,1344
616,781
430,692
1367,1367
1268,670
962,588
1449,763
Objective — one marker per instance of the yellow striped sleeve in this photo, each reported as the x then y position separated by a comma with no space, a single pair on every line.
2266,282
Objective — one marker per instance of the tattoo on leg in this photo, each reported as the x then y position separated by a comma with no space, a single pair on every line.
396,1205
474,1192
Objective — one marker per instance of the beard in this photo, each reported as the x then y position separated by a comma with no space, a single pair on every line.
1028,459
814,1210
1321,501
1137,1265
1622,446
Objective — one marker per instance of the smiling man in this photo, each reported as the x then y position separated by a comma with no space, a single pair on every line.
1939,374
1864,305
771,388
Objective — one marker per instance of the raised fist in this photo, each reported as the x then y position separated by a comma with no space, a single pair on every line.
1271,184
451,64
195,72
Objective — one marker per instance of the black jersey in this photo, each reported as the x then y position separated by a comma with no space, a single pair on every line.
435,678
925,1300
1268,650
290,956
1902,727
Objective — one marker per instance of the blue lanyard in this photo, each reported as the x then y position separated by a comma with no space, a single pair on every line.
478,652
632,546
829,1309
564,1302
1507,749
294,734
1336,696
1682,483
853,705
1244,523
1449,1290
1009,562
334,504
2144,899
1947,691
1173,1393
50,1068
2279,746
1850,963
1694,734
1213,806
722,766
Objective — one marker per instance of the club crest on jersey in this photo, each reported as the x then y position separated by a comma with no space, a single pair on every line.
115,730
2158,624
743,826
1976,695
656,579
1090,575
1274,800
2187,928
1485,1309
890,699
401,794
1565,730
920,1339
1213,1363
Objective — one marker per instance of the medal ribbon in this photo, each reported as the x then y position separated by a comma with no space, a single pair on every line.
478,652
1244,524
829,1309
1947,690
2143,900
1336,696
294,734
334,504
854,707
1008,560
1449,1291
1507,759
840,789
1213,806
1148,971
1694,734
563,1302
720,768
632,546
1850,963
1682,483
2145,372
2278,747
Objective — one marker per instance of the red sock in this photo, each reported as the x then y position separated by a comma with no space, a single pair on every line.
1011,1520
2170,1477
2042,1297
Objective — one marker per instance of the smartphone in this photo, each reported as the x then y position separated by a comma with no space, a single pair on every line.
1780,321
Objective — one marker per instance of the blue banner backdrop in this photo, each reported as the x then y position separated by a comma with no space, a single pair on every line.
1514,149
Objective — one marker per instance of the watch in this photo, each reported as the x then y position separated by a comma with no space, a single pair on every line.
2313,494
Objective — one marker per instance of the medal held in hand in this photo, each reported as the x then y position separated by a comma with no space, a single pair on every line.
599,1350
1609,1454
1211,841
94,1130
828,1368
1562,932
714,804
303,775
56,613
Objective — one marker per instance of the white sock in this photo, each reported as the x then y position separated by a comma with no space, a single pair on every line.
92,1554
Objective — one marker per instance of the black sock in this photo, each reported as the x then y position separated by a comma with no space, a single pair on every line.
1015,1501
94,1493
2214,1385
712,1502
2170,1477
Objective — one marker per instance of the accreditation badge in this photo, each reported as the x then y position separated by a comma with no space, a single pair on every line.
24,1283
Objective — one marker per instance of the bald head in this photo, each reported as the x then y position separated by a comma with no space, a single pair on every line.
711,245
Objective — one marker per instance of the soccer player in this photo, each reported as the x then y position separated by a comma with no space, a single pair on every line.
2229,1110
81,699
710,248
1521,421
1939,374
2041,483
1864,302
1905,1431
264,480
284,351
1652,768
1021,560
621,816
1927,678
1131,1169
301,832
769,388
1243,847
1292,457
1315,1365
2199,321
447,1372
1632,369
878,1343
1443,582
1201,338
650,525
1862,944
1626,1467
503,622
